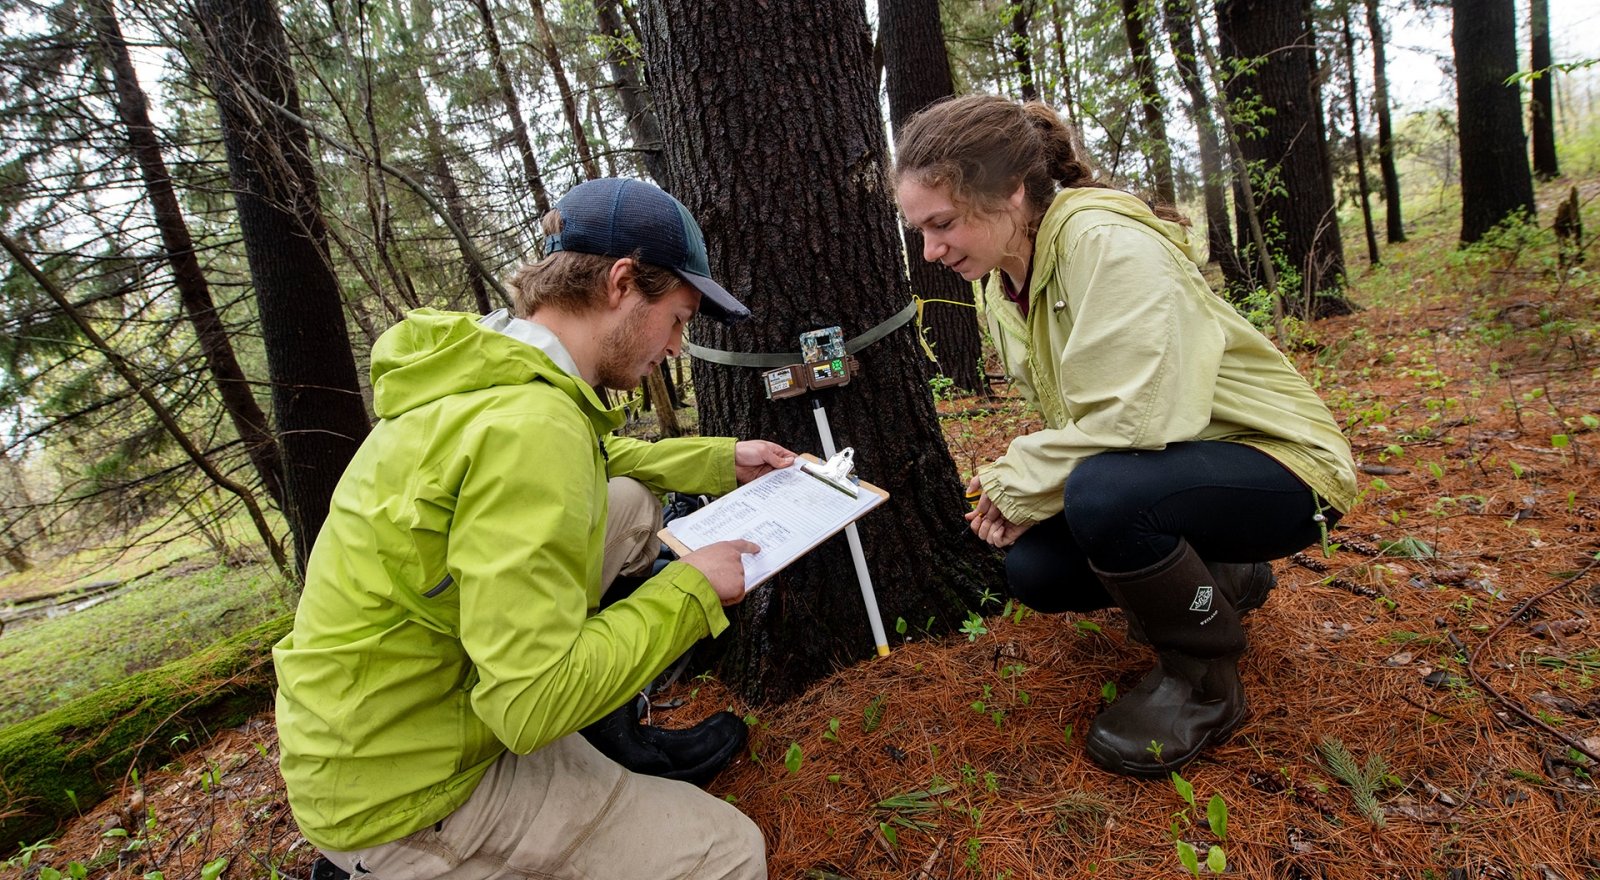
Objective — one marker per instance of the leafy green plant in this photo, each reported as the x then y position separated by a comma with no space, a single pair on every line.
832,733
973,626
793,758
1216,859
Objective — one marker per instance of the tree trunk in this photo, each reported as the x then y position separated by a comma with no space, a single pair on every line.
569,102
316,398
1219,235
1063,73
1354,97
917,74
774,141
194,292
1380,99
1542,106
655,390
1135,13
1288,144
637,109
508,94
1495,180
1021,56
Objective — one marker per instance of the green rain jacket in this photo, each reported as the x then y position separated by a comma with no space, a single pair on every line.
449,606
1125,346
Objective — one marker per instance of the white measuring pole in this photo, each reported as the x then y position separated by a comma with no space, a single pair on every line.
854,537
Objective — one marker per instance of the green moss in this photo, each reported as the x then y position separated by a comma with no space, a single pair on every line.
89,745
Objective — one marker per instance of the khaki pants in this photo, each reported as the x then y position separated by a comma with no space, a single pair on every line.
566,812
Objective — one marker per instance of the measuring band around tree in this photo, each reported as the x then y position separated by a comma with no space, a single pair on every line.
772,360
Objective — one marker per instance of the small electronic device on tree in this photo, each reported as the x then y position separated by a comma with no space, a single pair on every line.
824,365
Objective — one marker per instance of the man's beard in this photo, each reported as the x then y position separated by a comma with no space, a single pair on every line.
620,354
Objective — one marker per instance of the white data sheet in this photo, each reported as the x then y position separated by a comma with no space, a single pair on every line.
787,512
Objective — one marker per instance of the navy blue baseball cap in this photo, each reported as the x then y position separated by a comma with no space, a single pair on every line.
614,217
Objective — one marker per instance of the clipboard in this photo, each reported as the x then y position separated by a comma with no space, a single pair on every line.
788,512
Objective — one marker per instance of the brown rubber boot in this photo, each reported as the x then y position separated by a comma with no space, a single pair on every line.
1246,585
1192,698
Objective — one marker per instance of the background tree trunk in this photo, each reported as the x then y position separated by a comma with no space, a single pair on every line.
1542,106
1294,145
1135,16
1395,225
193,290
1219,235
1021,52
775,142
1352,94
1495,180
627,76
917,74
316,399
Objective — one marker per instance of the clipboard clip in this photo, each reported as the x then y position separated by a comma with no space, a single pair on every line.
836,471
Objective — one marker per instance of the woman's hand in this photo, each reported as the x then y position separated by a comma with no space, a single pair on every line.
988,523
752,458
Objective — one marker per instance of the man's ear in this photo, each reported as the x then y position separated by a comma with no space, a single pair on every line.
619,281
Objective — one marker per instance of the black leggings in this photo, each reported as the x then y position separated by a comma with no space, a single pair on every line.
1126,511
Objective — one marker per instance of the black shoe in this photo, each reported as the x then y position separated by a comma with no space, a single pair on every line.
695,755
322,869
1182,707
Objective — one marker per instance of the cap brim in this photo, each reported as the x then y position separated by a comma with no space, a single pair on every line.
716,303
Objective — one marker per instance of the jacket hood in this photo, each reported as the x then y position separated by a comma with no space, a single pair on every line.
434,354
1071,201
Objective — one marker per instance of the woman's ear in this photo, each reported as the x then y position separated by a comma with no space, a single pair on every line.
1019,197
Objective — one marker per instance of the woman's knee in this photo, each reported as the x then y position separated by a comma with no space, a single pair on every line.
1099,498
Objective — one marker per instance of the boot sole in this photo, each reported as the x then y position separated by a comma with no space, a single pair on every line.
1113,762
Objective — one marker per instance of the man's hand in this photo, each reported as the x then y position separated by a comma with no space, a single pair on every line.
752,458
988,523
723,565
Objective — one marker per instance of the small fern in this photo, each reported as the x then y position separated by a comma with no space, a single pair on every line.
1365,781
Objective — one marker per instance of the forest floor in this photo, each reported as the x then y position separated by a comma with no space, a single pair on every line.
1423,695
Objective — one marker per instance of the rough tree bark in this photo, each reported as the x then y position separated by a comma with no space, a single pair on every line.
194,291
1495,180
775,142
917,74
1395,225
1293,149
316,399
1158,153
1542,106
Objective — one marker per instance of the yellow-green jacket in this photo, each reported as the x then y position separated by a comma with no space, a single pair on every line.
448,612
1126,347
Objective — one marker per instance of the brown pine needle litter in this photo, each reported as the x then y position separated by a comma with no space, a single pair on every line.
1371,750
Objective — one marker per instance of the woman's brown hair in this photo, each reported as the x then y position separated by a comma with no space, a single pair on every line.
982,146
